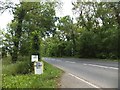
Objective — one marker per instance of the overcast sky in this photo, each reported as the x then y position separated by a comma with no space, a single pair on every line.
6,17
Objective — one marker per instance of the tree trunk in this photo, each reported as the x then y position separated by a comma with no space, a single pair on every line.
74,43
18,33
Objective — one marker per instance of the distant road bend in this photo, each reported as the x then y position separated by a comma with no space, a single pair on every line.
95,73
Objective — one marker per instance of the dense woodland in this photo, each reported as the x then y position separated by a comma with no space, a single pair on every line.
93,32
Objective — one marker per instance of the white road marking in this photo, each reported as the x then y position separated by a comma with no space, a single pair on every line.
66,61
69,61
101,66
72,62
84,81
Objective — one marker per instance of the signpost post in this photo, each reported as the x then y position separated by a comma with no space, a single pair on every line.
38,66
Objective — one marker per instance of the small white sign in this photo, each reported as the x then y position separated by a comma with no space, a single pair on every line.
34,58
38,67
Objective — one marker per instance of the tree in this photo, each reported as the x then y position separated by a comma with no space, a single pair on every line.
116,7
98,24
66,26
96,33
30,18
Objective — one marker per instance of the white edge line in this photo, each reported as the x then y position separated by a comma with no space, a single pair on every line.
101,66
84,81
81,79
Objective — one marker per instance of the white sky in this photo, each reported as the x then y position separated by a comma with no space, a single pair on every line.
6,17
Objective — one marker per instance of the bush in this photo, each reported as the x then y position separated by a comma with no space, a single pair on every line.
112,56
9,69
22,66
6,61
102,55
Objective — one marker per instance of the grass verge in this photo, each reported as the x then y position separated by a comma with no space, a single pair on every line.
13,79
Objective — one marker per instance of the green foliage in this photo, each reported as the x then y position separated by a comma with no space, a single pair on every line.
29,18
87,44
22,66
35,44
95,35
4,52
49,79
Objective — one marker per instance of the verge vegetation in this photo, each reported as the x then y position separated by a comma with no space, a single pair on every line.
20,75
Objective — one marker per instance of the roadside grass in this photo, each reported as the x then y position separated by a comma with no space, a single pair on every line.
20,67
18,75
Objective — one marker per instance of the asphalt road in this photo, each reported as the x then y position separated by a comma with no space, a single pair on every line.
95,73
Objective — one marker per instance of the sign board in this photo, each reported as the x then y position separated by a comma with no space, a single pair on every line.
38,67
34,58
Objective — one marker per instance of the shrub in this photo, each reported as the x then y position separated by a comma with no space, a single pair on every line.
102,55
22,66
112,56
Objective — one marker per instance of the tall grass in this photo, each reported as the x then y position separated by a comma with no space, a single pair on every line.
19,75
22,66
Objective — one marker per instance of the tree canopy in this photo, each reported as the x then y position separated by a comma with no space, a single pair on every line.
95,35
36,29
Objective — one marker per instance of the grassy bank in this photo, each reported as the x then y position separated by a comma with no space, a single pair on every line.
18,75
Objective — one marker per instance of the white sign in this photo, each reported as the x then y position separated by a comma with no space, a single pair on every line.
38,67
34,58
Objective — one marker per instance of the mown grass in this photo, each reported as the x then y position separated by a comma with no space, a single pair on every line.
18,75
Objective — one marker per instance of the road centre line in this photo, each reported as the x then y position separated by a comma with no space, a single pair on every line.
69,61
84,81
101,66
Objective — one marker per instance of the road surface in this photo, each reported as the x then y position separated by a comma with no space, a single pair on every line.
90,72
